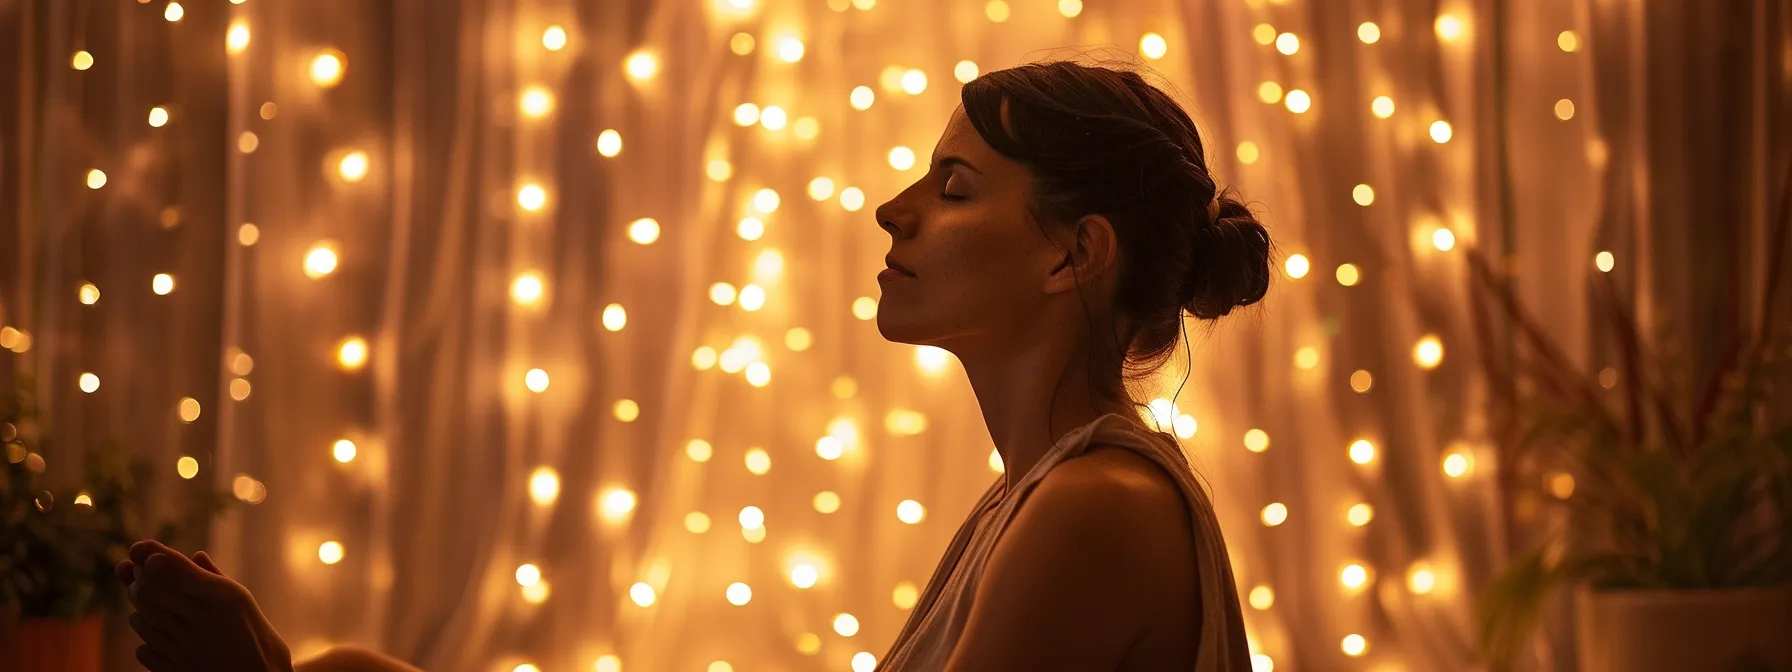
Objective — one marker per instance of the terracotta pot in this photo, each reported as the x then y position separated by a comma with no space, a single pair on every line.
1742,630
52,645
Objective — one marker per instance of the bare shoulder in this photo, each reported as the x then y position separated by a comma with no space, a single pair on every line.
1113,486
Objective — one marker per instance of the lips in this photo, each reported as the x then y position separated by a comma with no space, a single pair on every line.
890,262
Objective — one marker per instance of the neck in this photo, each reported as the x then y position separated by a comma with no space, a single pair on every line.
1030,398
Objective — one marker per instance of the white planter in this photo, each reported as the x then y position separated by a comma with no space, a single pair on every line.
1743,630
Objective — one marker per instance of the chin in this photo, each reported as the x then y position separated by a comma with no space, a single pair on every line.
897,326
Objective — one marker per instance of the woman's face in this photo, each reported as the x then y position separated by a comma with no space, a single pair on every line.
977,261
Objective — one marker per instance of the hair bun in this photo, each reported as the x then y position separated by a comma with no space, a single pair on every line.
1229,263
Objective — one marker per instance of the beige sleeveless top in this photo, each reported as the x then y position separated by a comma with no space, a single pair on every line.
939,618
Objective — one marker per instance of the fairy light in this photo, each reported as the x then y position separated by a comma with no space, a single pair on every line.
862,97
536,102
320,261
1296,266
1153,45
1441,131
1354,576
609,144
910,511
825,501
1349,275
864,661
1382,107
88,294
1275,514
351,353
642,595
247,142
553,38
1605,261
528,575
806,128
236,39
766,201
531,197
344,451
1256,440
327,68
1288,44
758,461
1069,9
1458,463
536,380
82,60
742,44
1443,239
790,50
641,66
1428,352
1368,32
162,284
846,625
1248,152
739,594
96,178
1564,109
1421,580
773,118
914,82
852,198
330,552
614,318
644,230
608,663
902,158
696,522
544,486
89,383
617,502
1306,358
997,11
1568,41
1298,101
174,12
1448,27
964,71
158,116
527,289
1362,451
352,166
995,461
1270,92
1354,645
1264,34
1361,381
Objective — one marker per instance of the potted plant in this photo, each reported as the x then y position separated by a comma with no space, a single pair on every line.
58,547
1674,495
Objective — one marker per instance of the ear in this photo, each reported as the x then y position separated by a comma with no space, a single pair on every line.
1085,256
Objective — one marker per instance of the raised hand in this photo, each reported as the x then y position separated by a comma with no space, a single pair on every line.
192,617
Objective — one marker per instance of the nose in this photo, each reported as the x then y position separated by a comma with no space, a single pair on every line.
890,218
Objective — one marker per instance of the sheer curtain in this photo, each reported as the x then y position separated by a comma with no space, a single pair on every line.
503,312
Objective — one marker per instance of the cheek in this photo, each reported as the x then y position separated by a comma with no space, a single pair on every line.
976,276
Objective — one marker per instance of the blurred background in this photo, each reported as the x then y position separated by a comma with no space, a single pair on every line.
536,334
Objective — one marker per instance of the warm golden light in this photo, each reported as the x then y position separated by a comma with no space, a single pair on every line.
862,97
644,231
352,166
864,308
910,511
236,39
1349,275
614,318
773,118
1248,153
905,595
752,298
531,197
609,663
964,71
1368,32
1421,580
351,353
1298,101
554,38
174,12
609,144
1264,34
239,389
327,68
742,44
88,294
1362,451
1359,514
696,522
1458,463
528,575
758,461
536,380
617,502
330,552
739,594
722,293
343,450
536,102
997,11
1561,485
846,625
1441,131
1564,109
914,82
162,284
1363,194
626,410
1296,266
1288,44
158,116
1568,41
995,461
527,289
1382,107
81,60
826,502
1306,357
544,485
89,383
1443,239
641,66
902,158
821,189
187,467
852,199
804,575
1355,645
1153,46
1361,381
1256,440
1275,514
1354,576
1449,27
642,594
248,234
1605,261
320,261
1428,352
1069,9
1262,597
790,50
766,201
96,178
1269,92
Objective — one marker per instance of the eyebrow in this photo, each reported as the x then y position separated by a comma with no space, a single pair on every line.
948,161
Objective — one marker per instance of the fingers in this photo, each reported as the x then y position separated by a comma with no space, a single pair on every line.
155,634
205,562
125,572
177,570
156,595
141,551
153,660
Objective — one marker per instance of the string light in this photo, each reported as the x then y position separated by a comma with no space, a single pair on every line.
641,594
1288,44
90,383
1368,32
1363,194
158,116
1069,9
766,201
608,663
864,661
1275,514
1428,352
320,260
248,234
790,50
742,44
641,66
1264,34
964,71
1564,109
544,485
696,522
846,625
1361,381
353,166
344,451
773,118
618,502
826,502
1261,597
609,144
351,353
905,595
910,511
327,68
1248,153
237,38
1382,107
1298,101
96,178
554,38
1362,451
1421,580
1269,92
536,380
89,294
1355,645
536,102
174,12
1349,275
1153,46
162,284
1605,261
528,575
1449,27
852,199
862,97
1296,266
1443,239
1306,358
902,158
532,197
1441,131
996,11
644,230
615,317
330,552
1256,440
82,60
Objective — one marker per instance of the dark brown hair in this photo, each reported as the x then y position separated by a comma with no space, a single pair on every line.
1103,141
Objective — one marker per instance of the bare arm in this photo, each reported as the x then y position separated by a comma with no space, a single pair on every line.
1077,577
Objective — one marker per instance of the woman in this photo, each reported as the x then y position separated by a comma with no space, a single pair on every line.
1065,223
